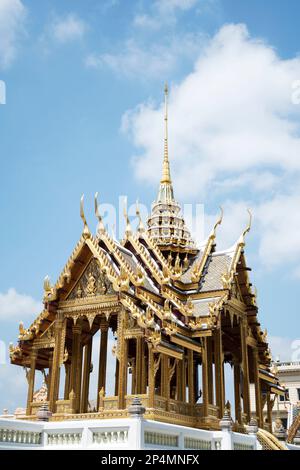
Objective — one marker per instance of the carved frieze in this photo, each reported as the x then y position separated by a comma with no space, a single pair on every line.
93,282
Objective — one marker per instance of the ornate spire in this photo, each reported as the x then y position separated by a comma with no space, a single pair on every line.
166,224
166,193
166,176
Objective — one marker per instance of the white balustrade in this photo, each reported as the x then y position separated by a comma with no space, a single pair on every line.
123,433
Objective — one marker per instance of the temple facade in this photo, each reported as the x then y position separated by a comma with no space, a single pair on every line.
178,312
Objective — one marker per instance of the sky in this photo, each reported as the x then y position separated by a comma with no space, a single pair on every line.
82,83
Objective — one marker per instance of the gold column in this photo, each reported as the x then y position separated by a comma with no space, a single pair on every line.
144,369
138,366
191,384
31,380
165,385
123,360
151,376
258,397
269,410
55,374
184,378
245,366
162,376
67,382
76,348
50,372
133,377
210,371
205,387
237,391
102,358
79,377
196,381
219,376
117,378
178,381
86,376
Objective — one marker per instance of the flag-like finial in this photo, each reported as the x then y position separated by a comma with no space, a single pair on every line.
166,176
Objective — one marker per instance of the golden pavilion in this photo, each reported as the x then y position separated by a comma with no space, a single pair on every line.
179,313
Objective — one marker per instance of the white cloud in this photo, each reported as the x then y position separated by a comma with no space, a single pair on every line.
167,5
137,60
15,306
276,225
284,349
146,21
68,28
231,115
12,18
234,135
279,220
164,12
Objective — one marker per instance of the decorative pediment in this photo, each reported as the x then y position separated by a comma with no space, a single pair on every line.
93,282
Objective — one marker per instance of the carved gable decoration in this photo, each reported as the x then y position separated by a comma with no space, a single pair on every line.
93,282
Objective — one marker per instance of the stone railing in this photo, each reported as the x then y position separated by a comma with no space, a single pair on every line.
64,439
160,439
134,432
243,442
197,444
18,437
107,438
20,434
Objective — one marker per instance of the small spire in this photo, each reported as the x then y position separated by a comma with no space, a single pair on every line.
166,176
140,228
100,228
86,231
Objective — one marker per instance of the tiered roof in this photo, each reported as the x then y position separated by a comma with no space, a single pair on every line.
175,291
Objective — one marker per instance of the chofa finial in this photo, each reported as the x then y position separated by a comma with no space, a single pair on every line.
86,231
218,222
128,230
140,228
100,228
247,229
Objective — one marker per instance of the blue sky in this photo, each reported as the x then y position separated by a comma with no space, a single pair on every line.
83,113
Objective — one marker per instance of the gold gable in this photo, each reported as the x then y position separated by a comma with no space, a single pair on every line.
92,282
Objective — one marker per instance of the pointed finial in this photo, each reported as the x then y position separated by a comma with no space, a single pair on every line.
86,232
247,229
141,228
166,176
100,228
128,230
47,284
218,222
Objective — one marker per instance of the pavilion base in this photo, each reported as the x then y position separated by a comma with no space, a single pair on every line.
118,434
